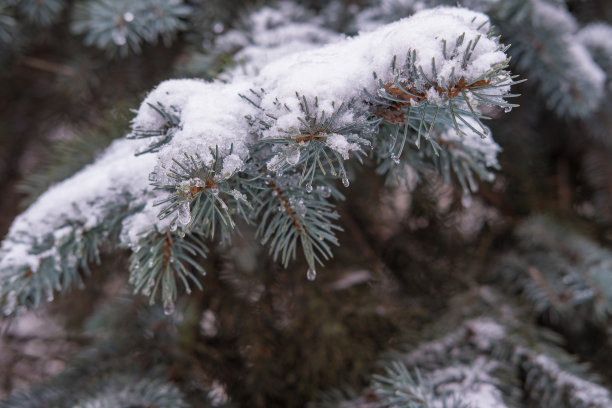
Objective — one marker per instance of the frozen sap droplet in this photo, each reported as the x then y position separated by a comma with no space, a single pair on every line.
508,109
311,274
168,307
345,182
308,188
293,157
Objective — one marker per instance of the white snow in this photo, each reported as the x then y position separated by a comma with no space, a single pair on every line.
597,37
483,149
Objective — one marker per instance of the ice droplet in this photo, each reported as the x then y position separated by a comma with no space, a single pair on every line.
508,109
311,274
308,188
168,307
293,157
345,182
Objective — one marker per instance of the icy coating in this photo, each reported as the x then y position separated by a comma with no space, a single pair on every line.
212,116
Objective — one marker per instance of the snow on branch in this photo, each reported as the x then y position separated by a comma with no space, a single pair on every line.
196,157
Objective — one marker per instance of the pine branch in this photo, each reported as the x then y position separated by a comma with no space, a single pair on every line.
122,28
216,151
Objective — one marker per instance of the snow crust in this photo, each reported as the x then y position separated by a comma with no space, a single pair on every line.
212,115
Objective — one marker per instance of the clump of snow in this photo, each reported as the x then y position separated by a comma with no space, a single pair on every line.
78,199
273,33
482,149
596,37
473,383
577,390
339,143
552,17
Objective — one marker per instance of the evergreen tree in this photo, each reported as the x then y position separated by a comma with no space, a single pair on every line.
320,214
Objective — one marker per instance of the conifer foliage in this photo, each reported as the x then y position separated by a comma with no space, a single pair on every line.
337,205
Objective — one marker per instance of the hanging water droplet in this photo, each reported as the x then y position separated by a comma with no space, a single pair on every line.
168,307
128,17
466,200
119,35
50,295
293,157
148,287
218,27
184,215
11,303
345,182
308,188
150,264
508,109
311,274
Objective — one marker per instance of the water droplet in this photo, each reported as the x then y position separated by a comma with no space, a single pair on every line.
168,307
218,27
11,303
214,191
508,109
184,215
150,264
345,182
293,157
324,191
311,274
308,188
148,287
466,200
119,35
395,158
50,295
128,17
